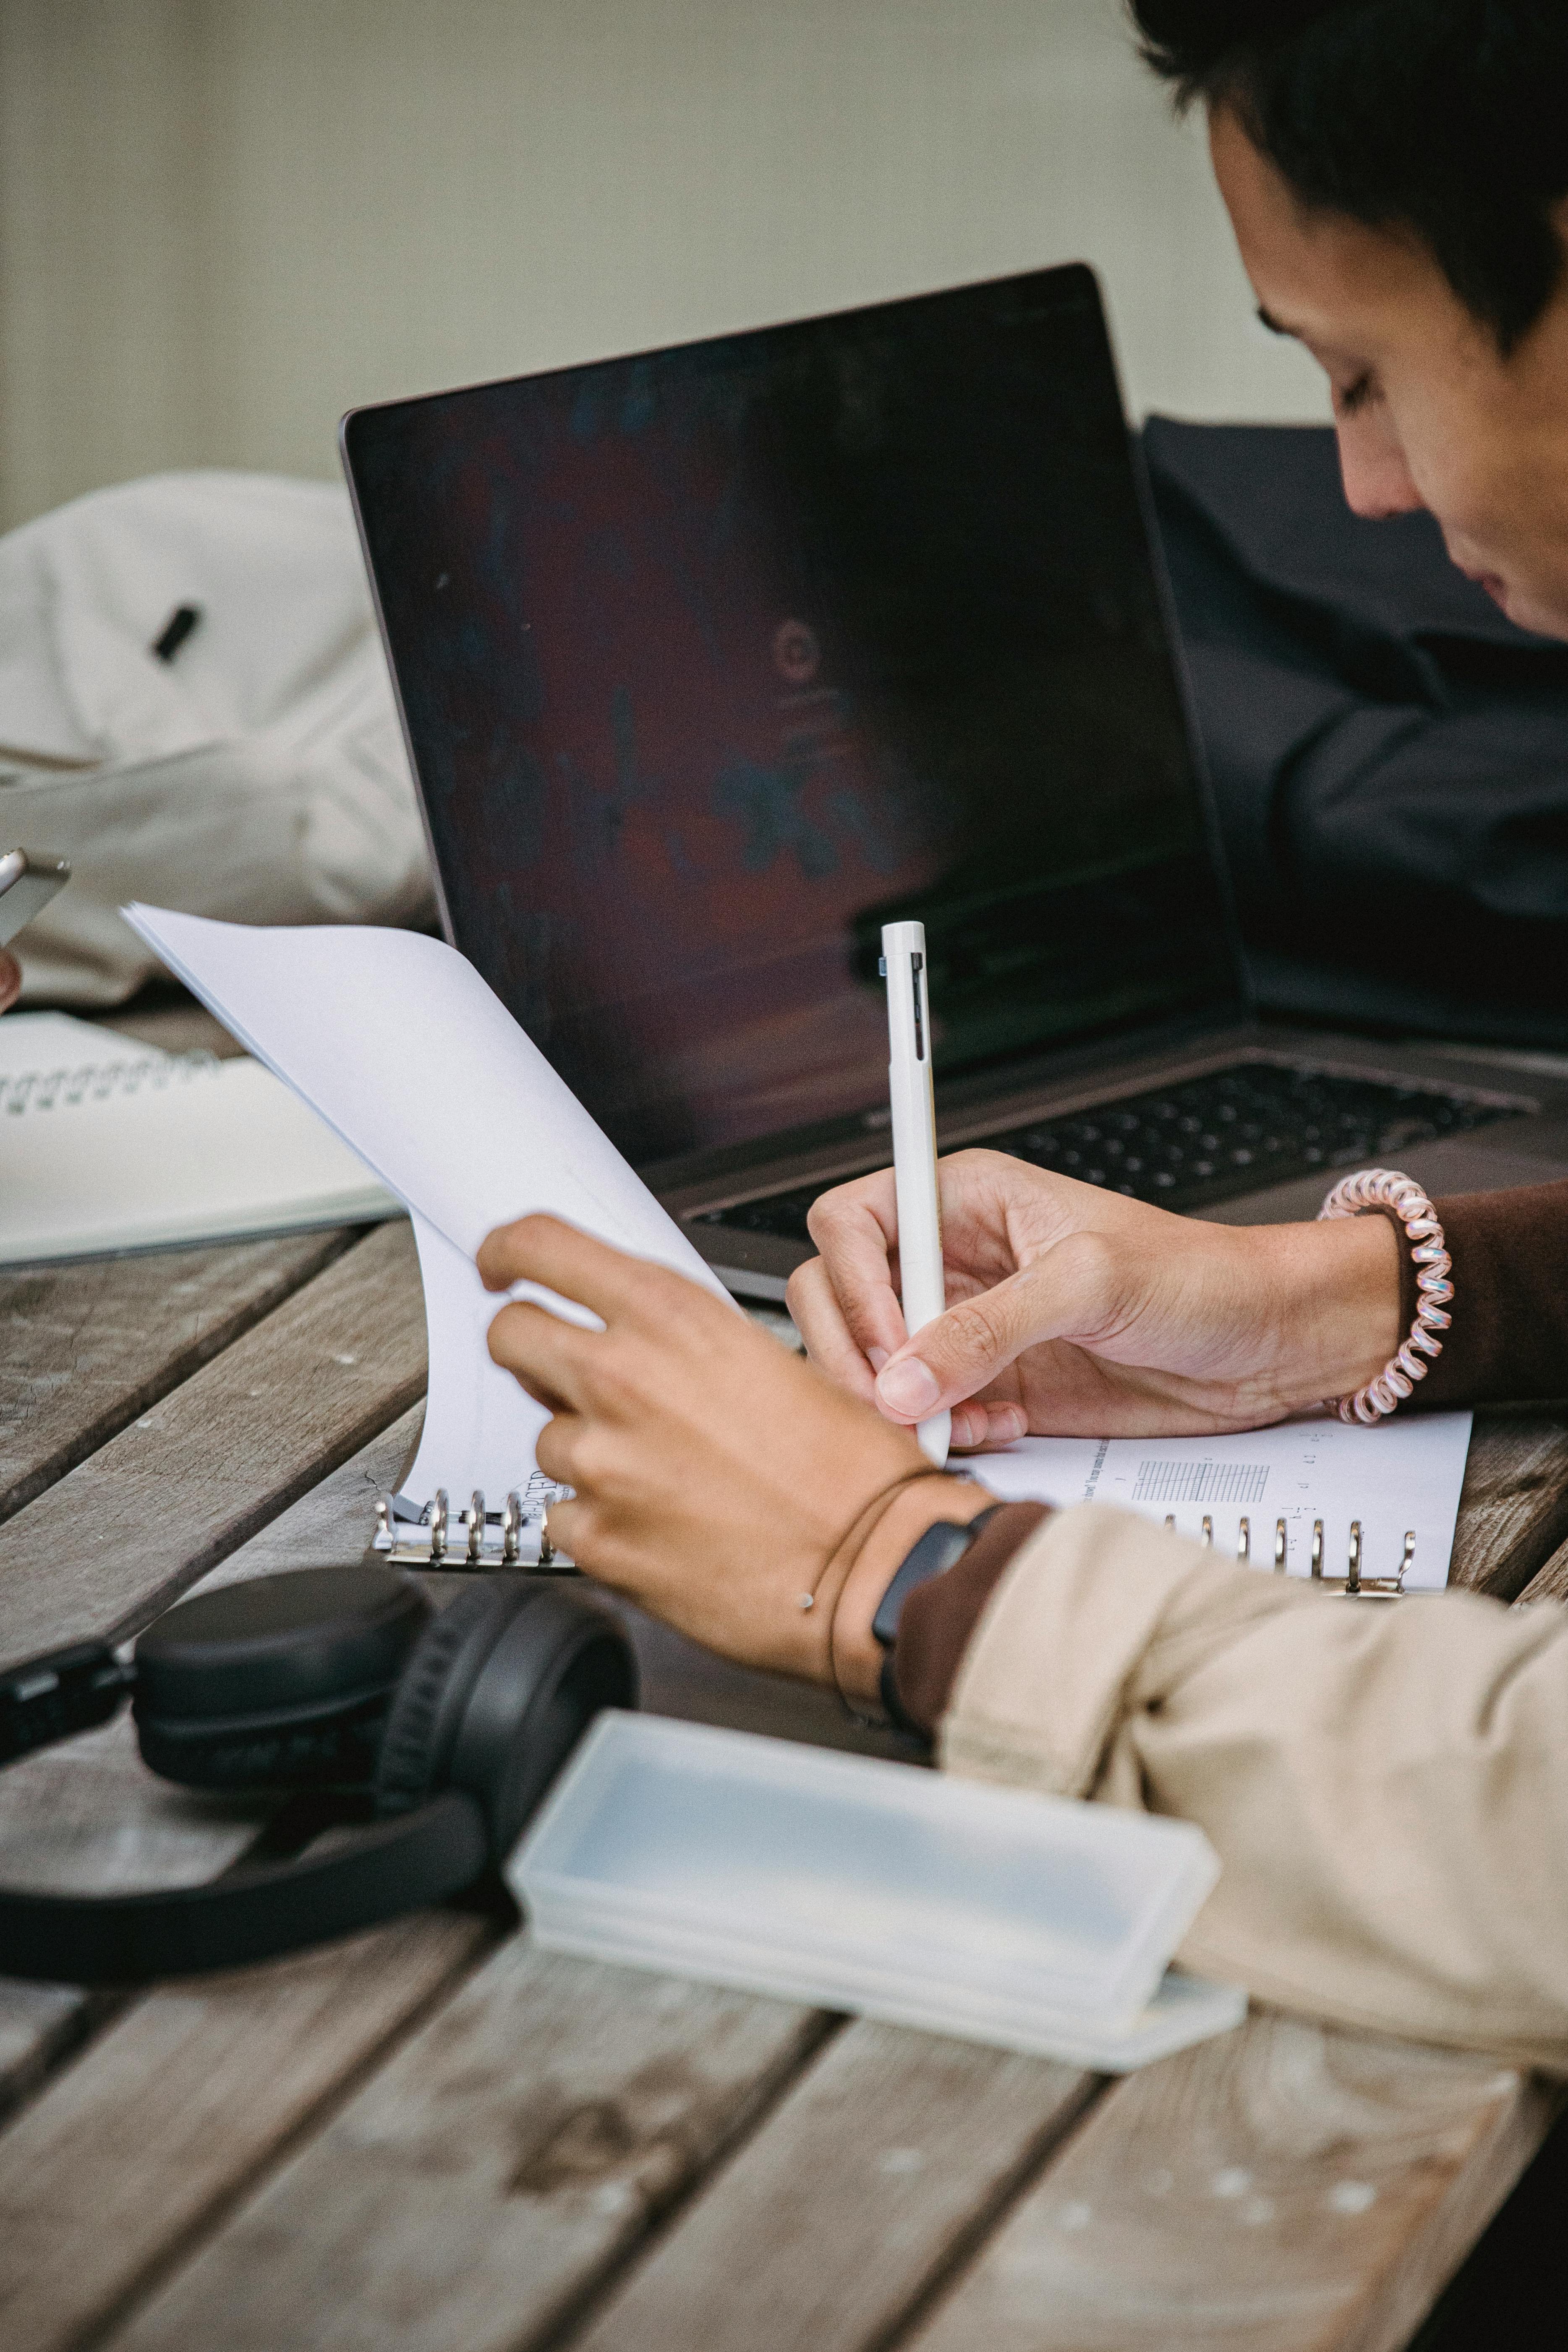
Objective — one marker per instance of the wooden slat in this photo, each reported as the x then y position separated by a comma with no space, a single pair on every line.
336,1519
1550,1581
170,2113
882,2168
38,2024
85,1348
479,2185
1280,2188
1514,1509
202,1470
87,1817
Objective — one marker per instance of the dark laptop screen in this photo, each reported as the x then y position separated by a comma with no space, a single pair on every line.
716,659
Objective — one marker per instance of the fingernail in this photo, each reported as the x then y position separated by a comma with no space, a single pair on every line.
1008,1422
909,1388
876,1358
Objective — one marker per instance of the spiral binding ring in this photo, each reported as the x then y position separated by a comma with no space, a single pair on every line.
1385,1188
34,1090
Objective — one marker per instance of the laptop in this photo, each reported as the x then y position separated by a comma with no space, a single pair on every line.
713,660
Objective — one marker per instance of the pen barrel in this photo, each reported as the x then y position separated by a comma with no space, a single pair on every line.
915,1186
912,1101
913,1104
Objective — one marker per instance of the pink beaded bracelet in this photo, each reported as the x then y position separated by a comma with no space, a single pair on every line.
1385,1188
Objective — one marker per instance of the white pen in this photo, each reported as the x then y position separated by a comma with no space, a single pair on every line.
914,1147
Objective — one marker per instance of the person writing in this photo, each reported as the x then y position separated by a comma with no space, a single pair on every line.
1387,1788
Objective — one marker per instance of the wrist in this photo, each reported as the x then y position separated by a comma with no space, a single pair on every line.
856,1654
1344,1319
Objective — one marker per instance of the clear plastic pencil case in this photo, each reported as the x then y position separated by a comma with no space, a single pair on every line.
1032,1922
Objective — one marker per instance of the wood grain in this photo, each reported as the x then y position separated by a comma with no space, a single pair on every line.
336,1519
87,1817
85,1348
478,2186
1513,1511
171,2111
918,2139
202,1470
38,2024
1283,2188
1550,1581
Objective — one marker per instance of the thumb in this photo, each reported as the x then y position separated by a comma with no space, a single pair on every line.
1073,1292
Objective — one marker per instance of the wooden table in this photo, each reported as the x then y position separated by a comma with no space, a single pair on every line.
436,2136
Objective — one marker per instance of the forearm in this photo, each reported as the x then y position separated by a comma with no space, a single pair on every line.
1386,1787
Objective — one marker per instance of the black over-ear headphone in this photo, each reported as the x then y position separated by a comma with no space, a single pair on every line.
454,1725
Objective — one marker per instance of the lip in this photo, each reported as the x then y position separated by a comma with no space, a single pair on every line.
1493,583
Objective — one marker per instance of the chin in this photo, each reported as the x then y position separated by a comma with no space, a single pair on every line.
1543,611
1543,616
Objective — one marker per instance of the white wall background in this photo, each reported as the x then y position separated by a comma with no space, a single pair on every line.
222,222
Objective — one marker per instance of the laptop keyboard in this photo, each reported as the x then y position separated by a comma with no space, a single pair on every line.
1209,1140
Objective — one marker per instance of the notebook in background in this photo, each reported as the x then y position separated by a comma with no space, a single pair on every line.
108,1144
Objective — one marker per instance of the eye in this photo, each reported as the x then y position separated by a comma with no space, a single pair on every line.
1353,396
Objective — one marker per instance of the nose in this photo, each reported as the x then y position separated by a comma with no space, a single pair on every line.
1377,482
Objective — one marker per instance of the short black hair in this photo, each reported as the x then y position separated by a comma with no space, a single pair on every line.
1446,118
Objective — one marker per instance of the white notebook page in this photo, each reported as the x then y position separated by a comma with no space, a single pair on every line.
1405,1473
481,1428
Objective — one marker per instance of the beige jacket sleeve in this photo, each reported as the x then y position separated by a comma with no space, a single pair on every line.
1386,1787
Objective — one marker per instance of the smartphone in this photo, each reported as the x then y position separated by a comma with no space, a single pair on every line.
28,882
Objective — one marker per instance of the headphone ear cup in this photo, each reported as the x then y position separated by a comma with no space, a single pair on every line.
277,1682
418,1721
500,1687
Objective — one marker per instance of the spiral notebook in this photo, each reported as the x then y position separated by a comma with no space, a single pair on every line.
107,1144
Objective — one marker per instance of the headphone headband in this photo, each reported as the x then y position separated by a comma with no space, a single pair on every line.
252,1913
